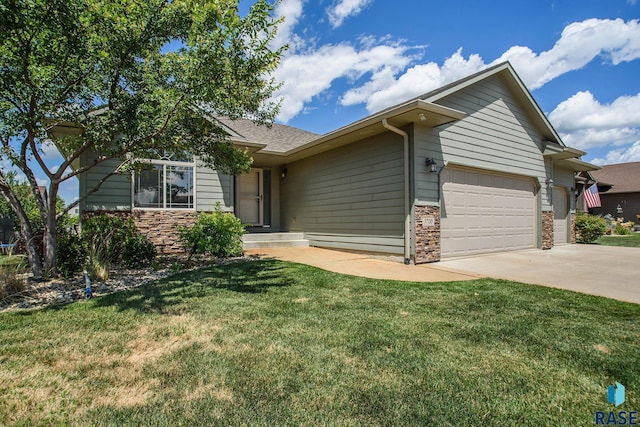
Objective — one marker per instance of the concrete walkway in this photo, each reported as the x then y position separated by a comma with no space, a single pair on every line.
363,265
608,271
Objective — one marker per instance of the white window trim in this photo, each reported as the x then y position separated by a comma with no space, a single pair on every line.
191,164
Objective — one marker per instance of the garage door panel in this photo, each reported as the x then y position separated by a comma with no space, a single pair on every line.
484,212
560,212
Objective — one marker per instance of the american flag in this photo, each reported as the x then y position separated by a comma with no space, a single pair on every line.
592,197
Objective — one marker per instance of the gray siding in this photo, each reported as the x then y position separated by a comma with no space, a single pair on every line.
213,187
565,178
350,197
115,193
496,135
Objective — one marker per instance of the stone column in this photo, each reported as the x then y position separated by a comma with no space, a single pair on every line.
573,227
427,234
547,229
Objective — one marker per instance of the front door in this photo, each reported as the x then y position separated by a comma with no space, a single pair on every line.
250,197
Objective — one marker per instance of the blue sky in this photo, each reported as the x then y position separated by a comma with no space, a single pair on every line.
351,58
581,61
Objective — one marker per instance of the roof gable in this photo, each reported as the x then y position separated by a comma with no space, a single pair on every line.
515,83
625,177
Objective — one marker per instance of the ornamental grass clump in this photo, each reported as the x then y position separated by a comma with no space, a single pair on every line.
112,240
217,234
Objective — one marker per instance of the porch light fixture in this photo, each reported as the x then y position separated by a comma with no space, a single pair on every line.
431,164
549,181
283,172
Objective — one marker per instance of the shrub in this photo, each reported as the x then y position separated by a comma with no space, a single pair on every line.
71,254
589,228
114,240
138,251
218,234
10,281
622,230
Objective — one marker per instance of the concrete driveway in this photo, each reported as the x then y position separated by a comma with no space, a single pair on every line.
607,271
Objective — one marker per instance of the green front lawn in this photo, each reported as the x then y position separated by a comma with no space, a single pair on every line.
275,343
631,241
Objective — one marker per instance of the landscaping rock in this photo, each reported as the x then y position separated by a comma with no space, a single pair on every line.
64,291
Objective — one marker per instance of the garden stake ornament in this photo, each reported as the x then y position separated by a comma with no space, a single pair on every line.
87,288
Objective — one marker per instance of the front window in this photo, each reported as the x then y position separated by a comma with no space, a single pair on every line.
164,185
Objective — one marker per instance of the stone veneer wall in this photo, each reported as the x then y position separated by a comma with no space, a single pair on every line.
427,237
573,227
159,226
547,229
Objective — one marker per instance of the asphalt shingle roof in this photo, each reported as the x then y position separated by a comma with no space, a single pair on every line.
278,138
625,177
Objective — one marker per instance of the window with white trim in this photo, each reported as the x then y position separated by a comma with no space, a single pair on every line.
164,185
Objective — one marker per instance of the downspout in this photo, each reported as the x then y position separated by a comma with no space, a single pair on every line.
407,209
444,165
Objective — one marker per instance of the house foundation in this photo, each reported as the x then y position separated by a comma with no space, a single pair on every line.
427,234
159,226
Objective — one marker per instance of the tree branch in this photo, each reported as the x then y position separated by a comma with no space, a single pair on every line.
94,190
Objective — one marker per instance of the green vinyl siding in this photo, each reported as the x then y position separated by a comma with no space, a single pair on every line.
115,192
213,187
350,197
497,135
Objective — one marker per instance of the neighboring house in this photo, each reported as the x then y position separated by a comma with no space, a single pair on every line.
470,168
619,187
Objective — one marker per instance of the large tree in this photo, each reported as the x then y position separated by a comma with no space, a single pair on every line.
127,78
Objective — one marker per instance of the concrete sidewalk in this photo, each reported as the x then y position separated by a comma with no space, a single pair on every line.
363,265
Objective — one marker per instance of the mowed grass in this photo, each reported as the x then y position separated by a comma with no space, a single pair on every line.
630,241
275,343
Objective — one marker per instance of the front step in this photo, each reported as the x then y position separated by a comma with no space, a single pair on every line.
273,240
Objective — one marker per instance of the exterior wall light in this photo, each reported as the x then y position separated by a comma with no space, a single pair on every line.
431,164
283,172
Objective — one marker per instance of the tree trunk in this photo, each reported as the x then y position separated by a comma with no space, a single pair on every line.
32,248
50,238
26,232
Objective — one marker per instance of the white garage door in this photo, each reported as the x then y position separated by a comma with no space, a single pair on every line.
485,212
560,211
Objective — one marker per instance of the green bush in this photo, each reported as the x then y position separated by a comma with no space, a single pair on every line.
589,228
71,254
138,251
114,240
218,234
622,230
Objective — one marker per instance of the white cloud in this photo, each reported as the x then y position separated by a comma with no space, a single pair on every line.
583,122
306,75
291,12
579,44
384,91
392,75
344,9
629,154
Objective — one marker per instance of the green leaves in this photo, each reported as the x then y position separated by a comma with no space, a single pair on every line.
123,77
